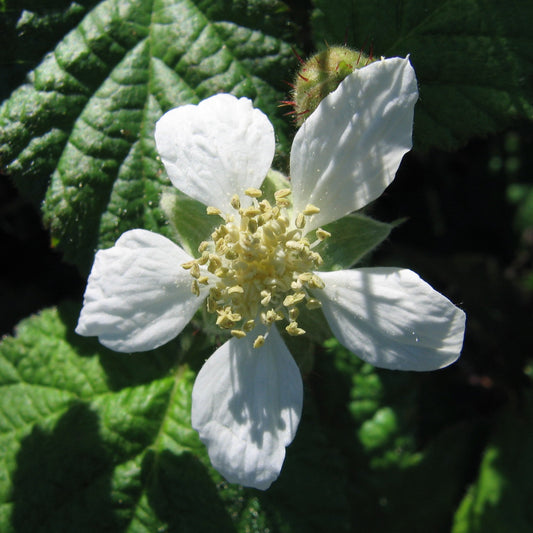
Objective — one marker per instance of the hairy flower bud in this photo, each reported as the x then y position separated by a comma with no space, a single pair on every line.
321,75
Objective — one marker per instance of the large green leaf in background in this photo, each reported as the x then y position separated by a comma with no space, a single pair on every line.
473,59
91,440
87,113
500,499
94,441
375,416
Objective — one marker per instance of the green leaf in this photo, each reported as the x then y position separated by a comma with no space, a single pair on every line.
76,440
352,237
92,440
29,29
473,60
500,499
188,219
86,115
273,182
374,416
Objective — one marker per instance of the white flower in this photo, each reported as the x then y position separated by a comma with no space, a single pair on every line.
259,267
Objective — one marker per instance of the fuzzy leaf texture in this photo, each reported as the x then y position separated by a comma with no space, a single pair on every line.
92,440
473,60
85,115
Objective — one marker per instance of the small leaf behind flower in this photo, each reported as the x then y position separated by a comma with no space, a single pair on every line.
352,237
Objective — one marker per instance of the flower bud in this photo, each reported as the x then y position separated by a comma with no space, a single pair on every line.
321,75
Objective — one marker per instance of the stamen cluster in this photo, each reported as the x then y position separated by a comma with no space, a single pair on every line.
259,265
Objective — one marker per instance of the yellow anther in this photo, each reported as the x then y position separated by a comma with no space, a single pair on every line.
213,210
322,234
294,235
313,303
220,232
271,316
235,202
216,293
295,245
204,259
284,221
231,254
293,299
222,272
203,247
316,283
195,270
266,297
283,202
294,330
239,333
259,341
293,313
220,246
265,217
214,264
296,285
265,206
188,265
195,288
252,192
316,258
252,225
288,300
236,289
211,304
249,325
251,211
311,209
269,234
204,280
282,193
226,319
300,221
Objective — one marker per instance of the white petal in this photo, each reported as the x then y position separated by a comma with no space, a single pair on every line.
392,318
349,149
138,297
246,405
215,149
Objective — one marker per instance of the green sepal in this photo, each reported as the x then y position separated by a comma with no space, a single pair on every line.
352,237
273,182
188,219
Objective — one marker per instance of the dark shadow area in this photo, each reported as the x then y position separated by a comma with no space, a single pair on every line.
183,495
32,274
462,236
62,481
389,479
28,30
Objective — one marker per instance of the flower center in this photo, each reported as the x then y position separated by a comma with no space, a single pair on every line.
259,265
